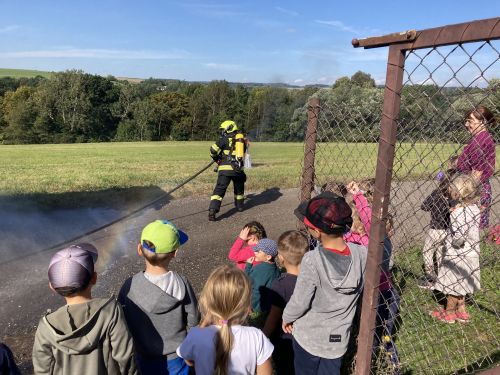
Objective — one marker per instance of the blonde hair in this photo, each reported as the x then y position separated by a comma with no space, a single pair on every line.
335,187
465,189
357,225
292,245
154,258
225,301
368,188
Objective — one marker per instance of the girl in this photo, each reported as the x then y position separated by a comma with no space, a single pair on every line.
242,248
459,273
221,344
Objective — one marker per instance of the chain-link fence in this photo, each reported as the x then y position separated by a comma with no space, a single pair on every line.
431,299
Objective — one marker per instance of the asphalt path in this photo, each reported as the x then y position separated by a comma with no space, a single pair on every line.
24,288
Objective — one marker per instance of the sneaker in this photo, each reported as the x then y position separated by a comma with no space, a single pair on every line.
443,316
426,282
211,215
462,317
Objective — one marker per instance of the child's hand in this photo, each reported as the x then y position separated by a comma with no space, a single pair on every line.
287,327
353,188
244,233
250,260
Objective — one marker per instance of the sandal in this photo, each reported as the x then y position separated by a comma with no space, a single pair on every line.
443,316
462,317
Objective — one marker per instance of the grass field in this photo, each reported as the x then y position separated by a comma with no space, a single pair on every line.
49,169
23,73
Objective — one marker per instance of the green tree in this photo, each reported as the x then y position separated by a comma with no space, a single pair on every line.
19,113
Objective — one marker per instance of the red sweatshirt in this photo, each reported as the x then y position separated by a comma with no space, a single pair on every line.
240,252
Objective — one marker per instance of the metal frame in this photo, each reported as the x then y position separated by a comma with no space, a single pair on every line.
399,44
475,31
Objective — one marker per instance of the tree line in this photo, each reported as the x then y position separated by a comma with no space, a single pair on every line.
74,106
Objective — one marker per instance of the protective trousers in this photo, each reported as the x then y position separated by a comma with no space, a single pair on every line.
223,181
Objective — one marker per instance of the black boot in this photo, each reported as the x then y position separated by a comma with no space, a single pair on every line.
211,215
239,205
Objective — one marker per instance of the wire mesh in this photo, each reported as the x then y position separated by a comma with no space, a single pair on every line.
440,86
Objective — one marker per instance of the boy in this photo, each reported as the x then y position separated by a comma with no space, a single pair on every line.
87,335
323,304
159,305
262,274
292,245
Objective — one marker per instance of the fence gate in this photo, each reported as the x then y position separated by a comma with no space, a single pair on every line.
435,77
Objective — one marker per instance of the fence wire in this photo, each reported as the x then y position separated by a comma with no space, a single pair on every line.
440,86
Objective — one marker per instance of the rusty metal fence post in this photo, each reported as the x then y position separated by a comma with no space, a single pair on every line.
383,175
307,183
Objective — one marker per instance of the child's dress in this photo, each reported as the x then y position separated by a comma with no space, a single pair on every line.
459,272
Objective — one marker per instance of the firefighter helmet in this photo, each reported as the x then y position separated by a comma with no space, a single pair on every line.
229,126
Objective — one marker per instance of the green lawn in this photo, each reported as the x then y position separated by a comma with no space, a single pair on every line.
90,167
23,73
426,343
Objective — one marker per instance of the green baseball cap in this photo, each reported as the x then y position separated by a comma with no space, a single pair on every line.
164,236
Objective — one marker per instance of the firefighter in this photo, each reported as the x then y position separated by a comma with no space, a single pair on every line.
228,153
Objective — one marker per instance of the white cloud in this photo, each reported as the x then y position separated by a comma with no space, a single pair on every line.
287,11
9,28
350,29
339,25
224,66
298,81
98,54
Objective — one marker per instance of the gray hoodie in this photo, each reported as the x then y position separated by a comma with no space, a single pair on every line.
86,338
324,300
157,319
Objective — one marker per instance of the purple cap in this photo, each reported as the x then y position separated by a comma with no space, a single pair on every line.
73,266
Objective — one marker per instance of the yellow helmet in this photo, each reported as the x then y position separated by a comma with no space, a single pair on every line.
228,126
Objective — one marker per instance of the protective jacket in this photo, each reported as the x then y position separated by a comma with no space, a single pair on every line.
224,153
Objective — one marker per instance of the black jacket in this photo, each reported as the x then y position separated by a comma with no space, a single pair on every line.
439,208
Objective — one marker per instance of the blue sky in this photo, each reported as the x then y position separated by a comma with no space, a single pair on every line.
296,42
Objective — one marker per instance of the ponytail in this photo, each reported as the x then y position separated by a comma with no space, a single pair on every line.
224,346
225,301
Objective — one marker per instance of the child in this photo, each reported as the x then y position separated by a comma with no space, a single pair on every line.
159,305
323,304
292,245
262,274
459,273
389,298
222,344
242,248
438,205
87,335
300,213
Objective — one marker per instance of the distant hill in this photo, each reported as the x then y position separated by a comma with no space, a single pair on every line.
23,73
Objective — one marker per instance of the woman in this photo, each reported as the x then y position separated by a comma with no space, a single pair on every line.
478,157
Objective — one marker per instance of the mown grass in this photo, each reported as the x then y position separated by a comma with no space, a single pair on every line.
49,169
23,73
429,346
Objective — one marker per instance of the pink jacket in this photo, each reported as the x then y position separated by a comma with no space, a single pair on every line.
365,214
240,252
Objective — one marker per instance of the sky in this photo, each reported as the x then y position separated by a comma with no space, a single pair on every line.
295,42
